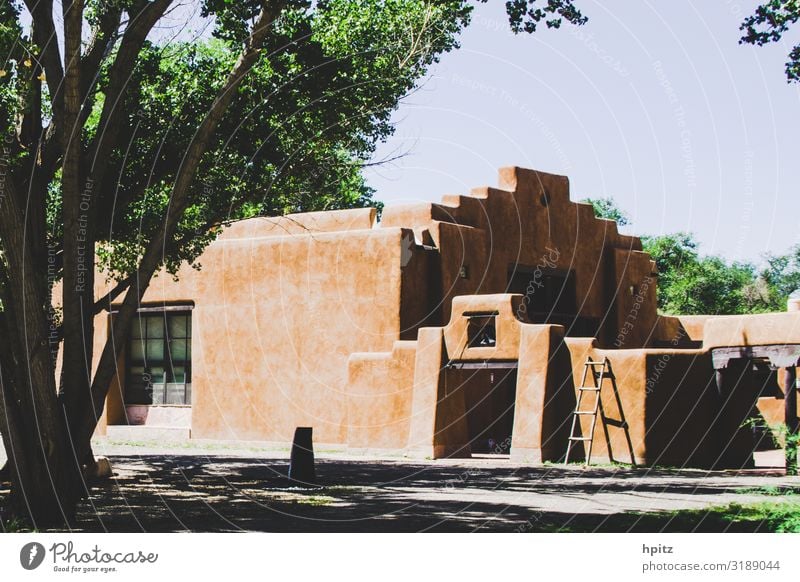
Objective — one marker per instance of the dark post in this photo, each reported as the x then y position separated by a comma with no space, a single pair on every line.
790,416
301,466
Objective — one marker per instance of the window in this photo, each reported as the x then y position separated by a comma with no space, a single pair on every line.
546,291
159,363
481,331
549,296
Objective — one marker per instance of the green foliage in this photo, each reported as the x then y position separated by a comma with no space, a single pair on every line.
14,525
689,284
768,24
525,15
782,275
15,68
306,119
607,208
778,517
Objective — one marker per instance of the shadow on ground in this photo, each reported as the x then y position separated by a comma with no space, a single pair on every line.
165,493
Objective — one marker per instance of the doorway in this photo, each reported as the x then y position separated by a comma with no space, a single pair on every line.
490,390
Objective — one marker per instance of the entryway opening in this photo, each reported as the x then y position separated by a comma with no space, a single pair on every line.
490,390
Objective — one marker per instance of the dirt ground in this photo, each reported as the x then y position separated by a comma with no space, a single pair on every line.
207,487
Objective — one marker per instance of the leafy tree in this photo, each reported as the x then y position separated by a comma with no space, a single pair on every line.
137,152
689,284
608,208
782,276
769,23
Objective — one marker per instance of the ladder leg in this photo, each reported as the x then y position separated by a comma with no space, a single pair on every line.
574,422
594,416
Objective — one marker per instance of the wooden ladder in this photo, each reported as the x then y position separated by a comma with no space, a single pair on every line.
600,371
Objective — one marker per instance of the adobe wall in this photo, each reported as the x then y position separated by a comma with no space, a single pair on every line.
278,308
530,222
331,321
425,397
669,401
433,412
280,304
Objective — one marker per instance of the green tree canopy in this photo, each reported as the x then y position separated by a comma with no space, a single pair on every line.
769,23
608,208
691,284
136,150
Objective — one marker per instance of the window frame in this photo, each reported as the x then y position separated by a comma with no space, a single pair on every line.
165,313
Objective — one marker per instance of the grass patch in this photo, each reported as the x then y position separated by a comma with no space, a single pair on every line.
765,516
778,516
771,490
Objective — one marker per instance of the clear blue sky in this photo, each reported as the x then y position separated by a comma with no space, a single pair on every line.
653,103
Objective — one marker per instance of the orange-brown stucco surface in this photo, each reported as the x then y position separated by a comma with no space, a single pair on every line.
361,330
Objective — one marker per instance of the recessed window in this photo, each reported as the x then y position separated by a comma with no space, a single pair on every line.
481,330
545,291
159,362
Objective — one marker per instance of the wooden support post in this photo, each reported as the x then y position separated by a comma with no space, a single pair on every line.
790,418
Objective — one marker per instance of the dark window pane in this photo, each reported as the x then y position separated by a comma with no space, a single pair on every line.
155,326
155,350
179,350
178,326
157,374
159,359
137,329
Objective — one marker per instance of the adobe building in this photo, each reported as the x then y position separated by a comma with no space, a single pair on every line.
449,329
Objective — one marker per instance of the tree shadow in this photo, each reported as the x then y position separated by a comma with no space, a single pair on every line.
162,493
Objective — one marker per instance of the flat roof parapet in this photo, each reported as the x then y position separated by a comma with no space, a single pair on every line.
301,224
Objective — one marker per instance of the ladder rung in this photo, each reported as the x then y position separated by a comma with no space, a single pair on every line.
579,438
584,412
590,388
591,363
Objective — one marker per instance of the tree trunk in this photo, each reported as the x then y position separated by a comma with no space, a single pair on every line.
79,246
48,438
44,488
45,485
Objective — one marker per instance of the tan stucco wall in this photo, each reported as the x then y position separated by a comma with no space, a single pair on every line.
752,330
530,221
333,321
668,399
275,318
380,389
279,305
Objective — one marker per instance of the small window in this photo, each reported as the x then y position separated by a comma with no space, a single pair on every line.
159,362
481,331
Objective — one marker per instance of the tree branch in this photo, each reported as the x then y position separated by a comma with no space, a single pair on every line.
112,116
44,35
104,34
153,256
